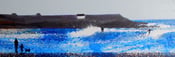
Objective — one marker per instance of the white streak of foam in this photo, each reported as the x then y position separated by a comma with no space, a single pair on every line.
159,48
163,26
151,24
111,49
157,33
133,49
172,50
122,30
158,25
85,32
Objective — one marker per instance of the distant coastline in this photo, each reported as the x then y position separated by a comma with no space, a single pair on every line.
66,21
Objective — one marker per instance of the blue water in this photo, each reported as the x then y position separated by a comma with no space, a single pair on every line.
91,39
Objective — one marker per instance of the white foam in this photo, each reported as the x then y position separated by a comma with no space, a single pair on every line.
122,30
163,26
157,33
158,25
92,30
161,29
85,32
111,49
172,50
132,49
151,24
159,48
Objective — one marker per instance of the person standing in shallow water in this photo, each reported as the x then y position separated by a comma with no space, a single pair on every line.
149,31
16,45
22,48
102,29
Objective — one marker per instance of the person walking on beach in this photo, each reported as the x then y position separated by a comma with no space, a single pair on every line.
16,45
22,48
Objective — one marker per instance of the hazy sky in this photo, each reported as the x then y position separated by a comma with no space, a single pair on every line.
132,9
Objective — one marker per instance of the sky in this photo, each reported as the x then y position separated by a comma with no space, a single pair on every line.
132,9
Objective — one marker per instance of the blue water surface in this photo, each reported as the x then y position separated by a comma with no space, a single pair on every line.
121,40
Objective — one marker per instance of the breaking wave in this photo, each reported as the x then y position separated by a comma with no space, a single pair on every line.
85,32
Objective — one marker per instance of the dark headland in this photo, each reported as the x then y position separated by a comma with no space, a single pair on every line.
66,21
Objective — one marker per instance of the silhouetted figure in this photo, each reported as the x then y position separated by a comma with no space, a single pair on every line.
149,31
22,48
102,29
16,45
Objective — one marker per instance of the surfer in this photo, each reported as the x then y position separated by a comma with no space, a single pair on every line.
102,29
16,45
149,31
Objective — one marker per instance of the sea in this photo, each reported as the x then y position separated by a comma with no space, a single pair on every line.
93,40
